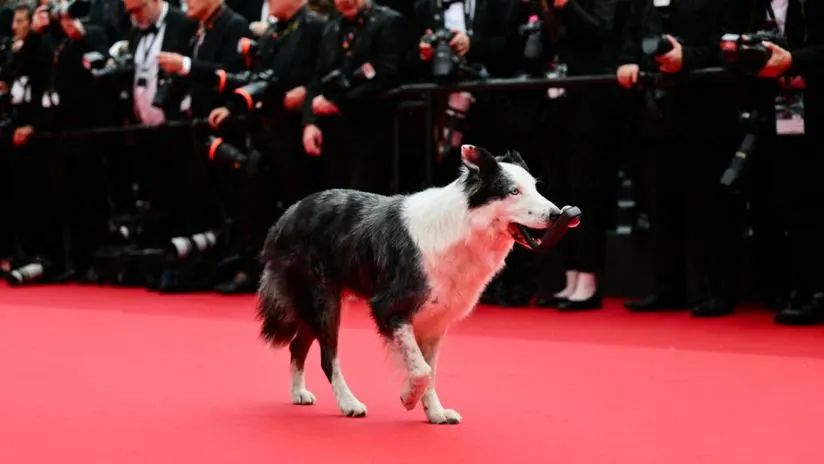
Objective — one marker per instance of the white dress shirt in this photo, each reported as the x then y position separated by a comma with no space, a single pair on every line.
779,9
145,61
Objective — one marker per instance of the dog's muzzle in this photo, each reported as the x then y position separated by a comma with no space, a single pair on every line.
569,218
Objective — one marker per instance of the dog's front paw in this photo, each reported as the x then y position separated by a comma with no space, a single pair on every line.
413,390
351,407
303,397
443,416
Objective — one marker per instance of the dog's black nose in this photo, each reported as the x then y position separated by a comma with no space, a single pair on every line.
554,214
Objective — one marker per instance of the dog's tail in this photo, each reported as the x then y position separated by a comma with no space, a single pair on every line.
276,311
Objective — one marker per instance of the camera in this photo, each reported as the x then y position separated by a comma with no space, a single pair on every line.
248,88
746,52
445,63
74,9
38,270
533,30
657,45
169,89
753,122
338,83
117,68
225,153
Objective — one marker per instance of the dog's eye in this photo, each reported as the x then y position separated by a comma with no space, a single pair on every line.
515,191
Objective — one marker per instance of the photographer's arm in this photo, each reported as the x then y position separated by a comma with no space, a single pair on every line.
230,59
708,54
808,61
595,25
387,63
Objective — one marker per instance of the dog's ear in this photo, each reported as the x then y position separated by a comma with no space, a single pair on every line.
477,159
513,157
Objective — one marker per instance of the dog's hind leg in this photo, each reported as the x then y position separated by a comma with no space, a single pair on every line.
435,412
326,326
298,350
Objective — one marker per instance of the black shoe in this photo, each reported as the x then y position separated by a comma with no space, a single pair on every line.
809,312
549,301
593,302
713,307
653,302
241,284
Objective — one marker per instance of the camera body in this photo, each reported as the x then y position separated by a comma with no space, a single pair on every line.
746,52
338,82
118,68
445,63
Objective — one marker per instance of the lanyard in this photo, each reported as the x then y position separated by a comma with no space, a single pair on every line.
147,47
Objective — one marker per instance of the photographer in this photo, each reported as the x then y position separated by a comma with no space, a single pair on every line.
155,163
214,47
804,227
690,132
475,32
345,121
288,50
576,36
69,100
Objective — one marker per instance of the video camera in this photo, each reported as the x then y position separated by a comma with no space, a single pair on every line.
74,9
746,52
225,153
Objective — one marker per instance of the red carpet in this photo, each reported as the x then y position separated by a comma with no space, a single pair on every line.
124,376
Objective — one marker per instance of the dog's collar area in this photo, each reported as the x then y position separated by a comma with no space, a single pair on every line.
569,219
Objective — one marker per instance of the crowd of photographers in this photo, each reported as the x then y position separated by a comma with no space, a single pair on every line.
255,103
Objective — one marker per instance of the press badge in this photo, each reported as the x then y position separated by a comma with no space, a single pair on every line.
50,99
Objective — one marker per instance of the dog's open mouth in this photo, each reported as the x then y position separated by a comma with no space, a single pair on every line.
524,235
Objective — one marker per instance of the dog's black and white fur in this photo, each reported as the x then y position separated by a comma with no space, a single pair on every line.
421,261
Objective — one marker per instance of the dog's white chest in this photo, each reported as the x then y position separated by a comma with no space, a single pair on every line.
457,277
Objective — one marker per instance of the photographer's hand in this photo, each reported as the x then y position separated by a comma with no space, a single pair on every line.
628,75
171,63
218,115
40,21
460,43
779,63
673,61
21,135
312,140
293,99
323,107
258,28
425,49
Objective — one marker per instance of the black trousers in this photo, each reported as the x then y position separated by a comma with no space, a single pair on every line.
695,227
32,202
356,151
805,226
76,177
581,171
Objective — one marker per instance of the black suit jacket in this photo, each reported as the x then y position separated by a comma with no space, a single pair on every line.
379,41
585,41
218,50
81,104
490,33
292,55
178,35
699,108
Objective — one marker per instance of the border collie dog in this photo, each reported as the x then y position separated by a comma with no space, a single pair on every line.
421,262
